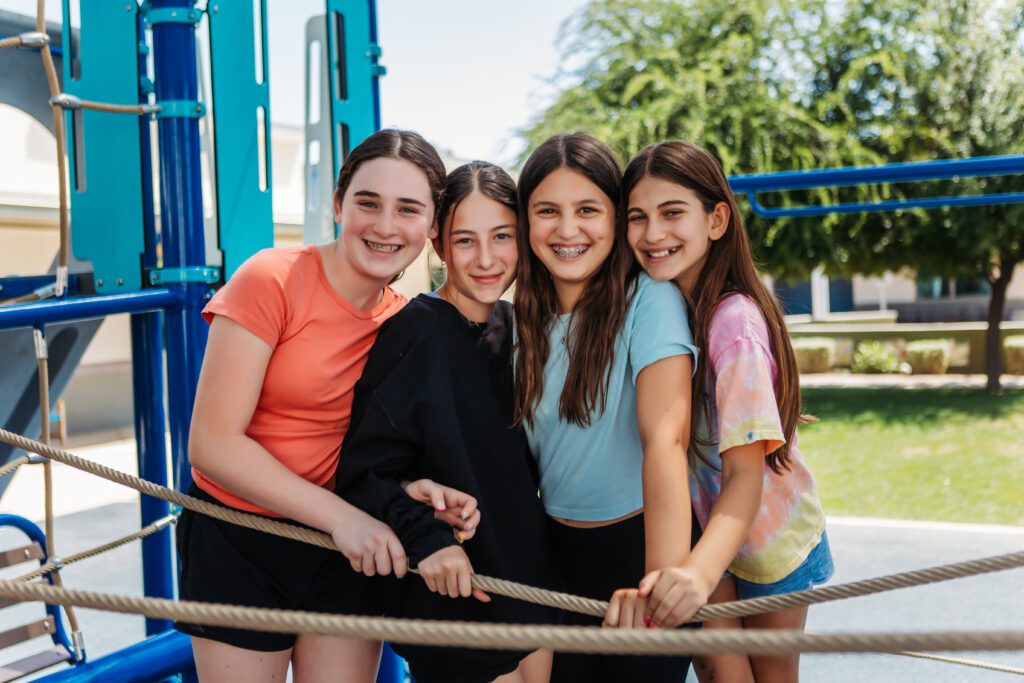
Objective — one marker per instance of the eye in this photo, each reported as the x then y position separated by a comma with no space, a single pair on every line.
672,213
504,236
367,204
546,211
588,210
636,218
462,241
410,210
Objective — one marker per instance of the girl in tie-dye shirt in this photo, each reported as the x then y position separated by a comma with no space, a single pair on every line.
764,528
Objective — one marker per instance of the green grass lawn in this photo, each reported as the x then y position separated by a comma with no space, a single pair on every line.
953,455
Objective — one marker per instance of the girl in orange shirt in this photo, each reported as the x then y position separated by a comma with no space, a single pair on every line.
289,336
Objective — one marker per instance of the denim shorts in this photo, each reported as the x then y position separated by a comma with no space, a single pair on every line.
816,569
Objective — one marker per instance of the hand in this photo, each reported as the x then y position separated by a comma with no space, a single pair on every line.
455,508
370,545
448,572
674,595
627,609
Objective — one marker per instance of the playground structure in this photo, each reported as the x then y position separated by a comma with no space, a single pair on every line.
144,59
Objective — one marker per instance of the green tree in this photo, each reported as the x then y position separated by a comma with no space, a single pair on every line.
934,79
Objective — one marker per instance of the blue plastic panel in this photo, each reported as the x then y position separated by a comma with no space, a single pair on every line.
245,216
103,148
354,72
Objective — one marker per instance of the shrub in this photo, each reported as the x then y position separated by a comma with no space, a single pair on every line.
1013,353
929,356
814,354
874,357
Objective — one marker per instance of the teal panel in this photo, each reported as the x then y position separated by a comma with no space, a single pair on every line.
353,74
245,216
103,148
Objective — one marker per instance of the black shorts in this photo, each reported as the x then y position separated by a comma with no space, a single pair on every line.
596,562
225,563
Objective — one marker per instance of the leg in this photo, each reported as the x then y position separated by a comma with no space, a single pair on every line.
536,667
322,659
784,668
218,662
511,677
723,667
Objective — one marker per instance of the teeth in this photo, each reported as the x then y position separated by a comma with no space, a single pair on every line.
385,248
663,253
570,252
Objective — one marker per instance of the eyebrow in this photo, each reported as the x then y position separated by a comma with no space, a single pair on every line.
589,200
503,226
669,202
375,195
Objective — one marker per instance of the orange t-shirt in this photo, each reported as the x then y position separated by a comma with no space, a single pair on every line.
320,344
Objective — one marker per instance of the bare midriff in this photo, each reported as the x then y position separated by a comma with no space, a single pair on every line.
593,525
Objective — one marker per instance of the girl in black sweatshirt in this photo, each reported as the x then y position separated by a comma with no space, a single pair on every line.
435,402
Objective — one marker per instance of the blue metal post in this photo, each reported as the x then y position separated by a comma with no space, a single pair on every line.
148,388
183,241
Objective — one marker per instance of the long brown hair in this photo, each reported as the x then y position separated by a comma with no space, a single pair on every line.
601,310
728,268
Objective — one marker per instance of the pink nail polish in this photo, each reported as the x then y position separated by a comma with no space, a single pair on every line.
648,620
441,508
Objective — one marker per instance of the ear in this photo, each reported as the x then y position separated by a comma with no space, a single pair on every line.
337,209
436,240
720,216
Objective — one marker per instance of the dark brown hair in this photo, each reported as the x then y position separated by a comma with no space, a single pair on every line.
728,268
601,310
490,180
392,143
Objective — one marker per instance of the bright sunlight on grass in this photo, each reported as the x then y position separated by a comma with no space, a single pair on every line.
954,455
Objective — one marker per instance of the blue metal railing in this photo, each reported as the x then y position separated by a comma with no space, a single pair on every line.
751,185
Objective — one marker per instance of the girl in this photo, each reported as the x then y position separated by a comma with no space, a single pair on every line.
435,400
289,335
603,368
753,494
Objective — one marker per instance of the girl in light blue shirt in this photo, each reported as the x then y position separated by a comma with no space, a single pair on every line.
603,366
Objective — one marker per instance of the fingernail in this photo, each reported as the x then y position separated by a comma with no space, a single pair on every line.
469,527
464,515
441,508
462,537
648,620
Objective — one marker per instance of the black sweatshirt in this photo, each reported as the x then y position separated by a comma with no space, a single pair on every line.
435,401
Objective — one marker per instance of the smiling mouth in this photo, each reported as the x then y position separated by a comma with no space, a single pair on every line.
570,252
382,248
487,279
661,253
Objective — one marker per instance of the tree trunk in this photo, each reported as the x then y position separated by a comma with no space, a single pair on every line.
993,336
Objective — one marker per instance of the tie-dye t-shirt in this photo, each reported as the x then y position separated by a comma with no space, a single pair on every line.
791,520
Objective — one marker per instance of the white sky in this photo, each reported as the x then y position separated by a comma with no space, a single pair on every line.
464,73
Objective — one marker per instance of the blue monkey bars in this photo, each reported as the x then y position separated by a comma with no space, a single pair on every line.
751,185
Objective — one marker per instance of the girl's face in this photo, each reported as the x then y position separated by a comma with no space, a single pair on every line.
386,215
669,230
480,252
572,228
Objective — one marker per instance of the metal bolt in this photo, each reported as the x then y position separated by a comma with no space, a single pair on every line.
27,553
120,281
216,8
99,283
127,8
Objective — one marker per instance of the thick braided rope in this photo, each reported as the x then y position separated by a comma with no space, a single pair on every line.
14,41
919,577
507,588
1001,668
148,530
589,639
13,465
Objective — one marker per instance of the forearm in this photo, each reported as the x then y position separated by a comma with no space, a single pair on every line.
242,466
729,524
666,505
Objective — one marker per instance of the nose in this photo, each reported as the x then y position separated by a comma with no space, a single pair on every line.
484,258
387,224
653,232
566,229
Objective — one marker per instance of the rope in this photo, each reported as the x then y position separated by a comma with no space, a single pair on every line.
43,364
590,639
13,465
14,41
54,565
509,589
965,662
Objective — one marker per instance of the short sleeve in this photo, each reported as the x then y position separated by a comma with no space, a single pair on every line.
658,327
254,297
745,397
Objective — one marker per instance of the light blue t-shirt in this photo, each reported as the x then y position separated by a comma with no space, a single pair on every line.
594,473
